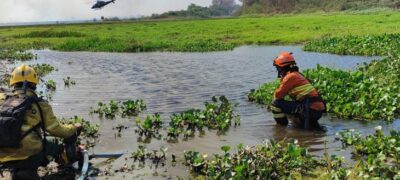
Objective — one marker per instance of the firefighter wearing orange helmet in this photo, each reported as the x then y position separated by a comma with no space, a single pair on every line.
307,105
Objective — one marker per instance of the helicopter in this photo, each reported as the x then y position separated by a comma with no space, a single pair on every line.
100,4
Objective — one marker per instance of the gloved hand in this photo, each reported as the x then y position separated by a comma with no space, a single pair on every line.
70,144
78,128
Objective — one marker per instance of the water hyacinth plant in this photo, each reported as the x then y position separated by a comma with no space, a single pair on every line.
272,160
371,92
132,107
123,109
51,85
43,69
348,137
368,45
264,94
156,156
149,127
217,114
186,122
90,131
68,81
118,128
377,155
108,110
12,54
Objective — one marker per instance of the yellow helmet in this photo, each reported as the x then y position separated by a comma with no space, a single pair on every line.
24,73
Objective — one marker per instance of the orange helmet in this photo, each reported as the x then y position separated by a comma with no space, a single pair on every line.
284,59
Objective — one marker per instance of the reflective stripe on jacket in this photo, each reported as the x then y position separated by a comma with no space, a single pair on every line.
32,143
298,88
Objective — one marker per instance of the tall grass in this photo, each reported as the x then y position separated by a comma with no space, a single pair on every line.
198,35
50,34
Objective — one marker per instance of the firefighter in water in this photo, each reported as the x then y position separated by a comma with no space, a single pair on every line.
24,146
306,104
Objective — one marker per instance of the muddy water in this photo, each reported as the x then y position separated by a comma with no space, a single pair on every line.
174,82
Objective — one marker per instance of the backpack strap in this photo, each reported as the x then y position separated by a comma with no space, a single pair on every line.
31,130
35,101
40,124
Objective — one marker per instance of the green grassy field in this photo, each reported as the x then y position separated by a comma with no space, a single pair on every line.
197,35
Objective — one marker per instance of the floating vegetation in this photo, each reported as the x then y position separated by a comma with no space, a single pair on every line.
149,127
119,129
218,114
43,69
45,95
50,85
356,45
377,154
68,81
205,45
90,131
264,94
348,137
156,157
371,92
132,107
124,109
186,123
92,44
368,93
108,110
14,54
272,160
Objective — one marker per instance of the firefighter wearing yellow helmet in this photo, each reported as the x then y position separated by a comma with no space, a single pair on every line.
24,73
24,119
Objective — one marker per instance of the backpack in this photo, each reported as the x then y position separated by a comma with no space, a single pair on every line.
12,117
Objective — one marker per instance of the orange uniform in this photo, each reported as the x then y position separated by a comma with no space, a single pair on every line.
298,88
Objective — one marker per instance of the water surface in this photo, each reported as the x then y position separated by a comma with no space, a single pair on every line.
174,82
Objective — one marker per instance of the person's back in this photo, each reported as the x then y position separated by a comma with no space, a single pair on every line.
32,143
298,88
38,117
306,104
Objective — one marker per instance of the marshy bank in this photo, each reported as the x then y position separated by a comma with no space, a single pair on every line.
195,35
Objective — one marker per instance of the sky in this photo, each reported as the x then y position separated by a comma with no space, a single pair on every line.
16,11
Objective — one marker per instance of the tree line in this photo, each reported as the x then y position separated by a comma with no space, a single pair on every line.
217,8
290,6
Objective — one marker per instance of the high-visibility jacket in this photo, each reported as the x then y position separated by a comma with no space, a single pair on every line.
298,88
32,143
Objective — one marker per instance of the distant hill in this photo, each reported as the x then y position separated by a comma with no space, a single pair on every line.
294,6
